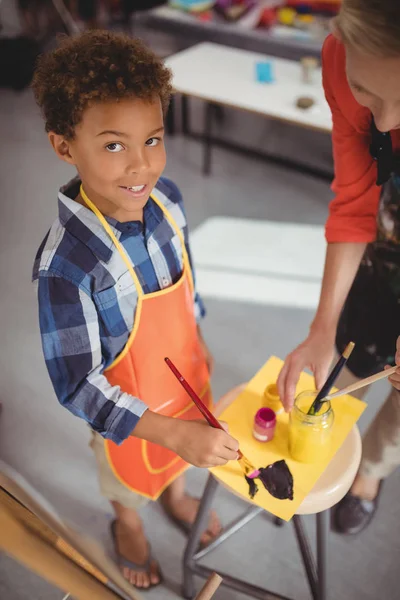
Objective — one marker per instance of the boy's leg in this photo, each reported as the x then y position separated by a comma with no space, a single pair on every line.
183,509
130,543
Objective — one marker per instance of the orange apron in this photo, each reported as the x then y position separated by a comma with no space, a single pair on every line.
164,325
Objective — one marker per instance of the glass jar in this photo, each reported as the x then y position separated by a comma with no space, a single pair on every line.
271,398
310,435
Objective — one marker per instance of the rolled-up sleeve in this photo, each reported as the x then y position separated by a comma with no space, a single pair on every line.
353,211
72,349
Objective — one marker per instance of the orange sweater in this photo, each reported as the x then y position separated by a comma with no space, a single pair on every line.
352,213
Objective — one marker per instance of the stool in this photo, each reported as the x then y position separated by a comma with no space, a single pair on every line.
331,487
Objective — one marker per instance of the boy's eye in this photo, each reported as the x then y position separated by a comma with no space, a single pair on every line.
114,147
153,141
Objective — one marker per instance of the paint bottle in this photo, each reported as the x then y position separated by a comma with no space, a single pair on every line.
264,425
271,398
309,66
310,435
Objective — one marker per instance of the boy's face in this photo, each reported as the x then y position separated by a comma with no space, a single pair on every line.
119,153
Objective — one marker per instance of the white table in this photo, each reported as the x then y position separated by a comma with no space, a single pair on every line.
224,76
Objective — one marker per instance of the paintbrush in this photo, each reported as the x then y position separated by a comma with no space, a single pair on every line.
363,382
250,472
326,388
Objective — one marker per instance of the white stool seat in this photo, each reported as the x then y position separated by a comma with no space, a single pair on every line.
336,480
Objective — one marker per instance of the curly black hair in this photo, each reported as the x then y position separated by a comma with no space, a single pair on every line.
95,66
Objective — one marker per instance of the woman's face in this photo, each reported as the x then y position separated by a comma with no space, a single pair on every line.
375,83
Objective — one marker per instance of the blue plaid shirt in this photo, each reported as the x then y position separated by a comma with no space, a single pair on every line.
87,300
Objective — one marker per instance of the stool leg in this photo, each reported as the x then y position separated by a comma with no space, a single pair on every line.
195,534
306,555
322,553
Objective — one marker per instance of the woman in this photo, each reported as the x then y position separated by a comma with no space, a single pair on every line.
360,297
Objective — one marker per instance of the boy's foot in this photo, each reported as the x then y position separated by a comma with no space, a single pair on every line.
183,511
134,556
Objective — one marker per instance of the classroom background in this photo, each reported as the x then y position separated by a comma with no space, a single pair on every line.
248,142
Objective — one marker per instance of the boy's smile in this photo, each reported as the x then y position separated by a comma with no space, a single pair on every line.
119,152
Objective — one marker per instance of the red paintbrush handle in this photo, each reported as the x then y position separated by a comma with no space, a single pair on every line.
209,417
211,420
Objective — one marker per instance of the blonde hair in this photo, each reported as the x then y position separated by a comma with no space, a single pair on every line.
372,26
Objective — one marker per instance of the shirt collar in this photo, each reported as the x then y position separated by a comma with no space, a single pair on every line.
83,224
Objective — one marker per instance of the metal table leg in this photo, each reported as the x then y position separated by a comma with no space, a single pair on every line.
170,120
207,138
194,536
185,115
322,552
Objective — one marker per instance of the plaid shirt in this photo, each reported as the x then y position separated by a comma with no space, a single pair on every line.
87,300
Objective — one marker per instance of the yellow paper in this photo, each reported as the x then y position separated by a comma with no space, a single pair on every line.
240,418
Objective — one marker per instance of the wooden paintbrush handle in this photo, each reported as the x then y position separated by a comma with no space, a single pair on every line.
208,591
363,382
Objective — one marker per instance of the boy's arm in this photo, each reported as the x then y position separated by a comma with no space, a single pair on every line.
72,350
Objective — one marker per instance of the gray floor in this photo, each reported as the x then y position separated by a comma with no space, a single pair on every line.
50,447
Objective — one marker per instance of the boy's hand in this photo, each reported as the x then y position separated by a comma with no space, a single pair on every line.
395,379
203,446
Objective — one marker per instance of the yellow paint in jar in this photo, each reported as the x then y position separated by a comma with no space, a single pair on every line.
271,398
310,435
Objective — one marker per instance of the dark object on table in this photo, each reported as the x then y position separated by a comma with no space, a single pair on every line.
304,102
17,62
278,480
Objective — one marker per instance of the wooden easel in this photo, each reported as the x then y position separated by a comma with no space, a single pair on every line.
33,534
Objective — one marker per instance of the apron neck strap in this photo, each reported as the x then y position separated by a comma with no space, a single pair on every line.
116,242
121,250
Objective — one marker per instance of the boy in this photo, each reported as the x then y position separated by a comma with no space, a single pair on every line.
115,287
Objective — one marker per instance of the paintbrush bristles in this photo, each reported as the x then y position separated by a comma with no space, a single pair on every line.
348,350
246,465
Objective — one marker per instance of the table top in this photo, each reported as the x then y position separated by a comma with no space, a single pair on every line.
226,76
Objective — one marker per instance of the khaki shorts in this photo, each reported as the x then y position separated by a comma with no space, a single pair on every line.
111,487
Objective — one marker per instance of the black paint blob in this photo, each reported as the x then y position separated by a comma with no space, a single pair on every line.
278,480
253,487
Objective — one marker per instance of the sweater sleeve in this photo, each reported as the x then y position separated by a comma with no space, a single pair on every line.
353,211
